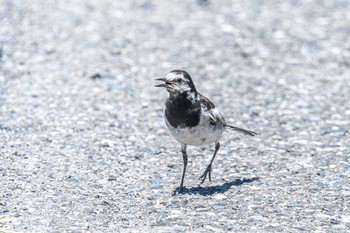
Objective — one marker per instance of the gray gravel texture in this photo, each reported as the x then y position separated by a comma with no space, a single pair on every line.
84,147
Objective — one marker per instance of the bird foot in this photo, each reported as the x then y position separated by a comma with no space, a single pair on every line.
206,172
179,190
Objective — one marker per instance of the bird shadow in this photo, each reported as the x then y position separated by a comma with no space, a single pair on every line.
207,191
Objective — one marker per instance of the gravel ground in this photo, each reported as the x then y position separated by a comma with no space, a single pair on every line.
83,144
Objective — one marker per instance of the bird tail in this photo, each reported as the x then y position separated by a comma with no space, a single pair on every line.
244,131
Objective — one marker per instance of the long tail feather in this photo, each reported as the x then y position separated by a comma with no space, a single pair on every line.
244,131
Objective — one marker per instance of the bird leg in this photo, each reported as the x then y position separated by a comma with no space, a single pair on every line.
184,156
208,170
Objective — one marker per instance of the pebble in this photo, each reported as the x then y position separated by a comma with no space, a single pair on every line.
258,218
219,196
295,204
322,217
345,218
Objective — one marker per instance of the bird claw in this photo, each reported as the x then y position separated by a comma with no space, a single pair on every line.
179,190
206,172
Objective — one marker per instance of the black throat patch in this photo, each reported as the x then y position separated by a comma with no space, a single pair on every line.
181,112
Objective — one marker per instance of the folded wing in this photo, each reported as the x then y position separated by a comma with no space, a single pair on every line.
216,117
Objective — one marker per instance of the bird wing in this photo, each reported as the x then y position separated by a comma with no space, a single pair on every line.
211,112
216,117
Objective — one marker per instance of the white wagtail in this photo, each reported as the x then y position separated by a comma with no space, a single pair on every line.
191,118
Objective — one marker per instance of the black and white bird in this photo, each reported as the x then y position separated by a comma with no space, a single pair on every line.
191,118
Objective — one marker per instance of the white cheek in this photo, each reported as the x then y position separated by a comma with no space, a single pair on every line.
182,89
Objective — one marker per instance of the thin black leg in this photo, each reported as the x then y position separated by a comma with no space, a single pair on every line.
208,170
184,155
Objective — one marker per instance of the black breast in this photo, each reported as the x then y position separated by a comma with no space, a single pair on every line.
180,112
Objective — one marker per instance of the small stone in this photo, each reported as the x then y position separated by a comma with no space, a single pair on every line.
96,76
345,193
220,196
345,218
106,143
258,218
298,226
212,228
295,204
255,188
161,131
176,211
322,217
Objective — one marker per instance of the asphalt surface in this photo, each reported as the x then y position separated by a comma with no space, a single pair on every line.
83,145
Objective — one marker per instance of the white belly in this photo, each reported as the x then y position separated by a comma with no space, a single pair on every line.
203,134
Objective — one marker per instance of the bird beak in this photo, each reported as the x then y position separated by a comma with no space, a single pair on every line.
162,84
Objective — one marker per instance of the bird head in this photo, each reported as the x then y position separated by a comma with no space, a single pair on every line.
177,82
